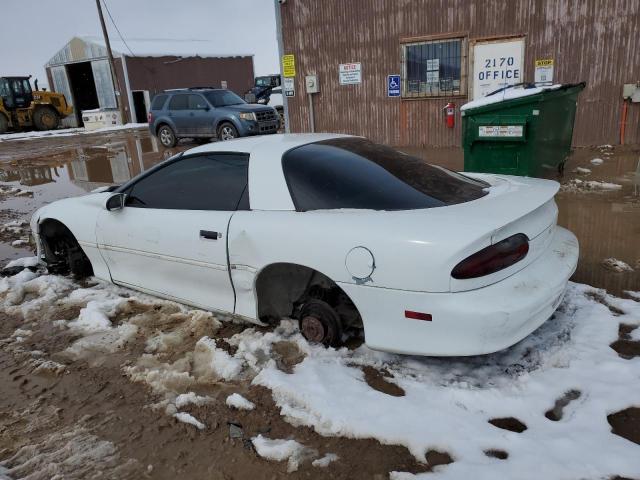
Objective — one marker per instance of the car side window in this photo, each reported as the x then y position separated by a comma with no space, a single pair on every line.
197,102
158,102
214,181
179,102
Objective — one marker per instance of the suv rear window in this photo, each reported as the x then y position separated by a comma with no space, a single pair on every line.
158,102
356,173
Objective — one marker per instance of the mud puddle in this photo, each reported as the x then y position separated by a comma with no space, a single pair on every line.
39,171
605,220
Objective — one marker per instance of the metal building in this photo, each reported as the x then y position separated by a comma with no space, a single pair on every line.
144,67
453,51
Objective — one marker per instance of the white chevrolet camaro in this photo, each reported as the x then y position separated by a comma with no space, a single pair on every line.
335,231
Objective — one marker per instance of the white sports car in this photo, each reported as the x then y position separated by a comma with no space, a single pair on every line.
333,230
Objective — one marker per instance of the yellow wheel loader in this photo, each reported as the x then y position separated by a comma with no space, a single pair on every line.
22,108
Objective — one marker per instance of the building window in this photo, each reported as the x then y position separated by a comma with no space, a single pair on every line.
434,68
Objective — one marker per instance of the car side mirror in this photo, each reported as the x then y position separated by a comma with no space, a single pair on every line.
115,202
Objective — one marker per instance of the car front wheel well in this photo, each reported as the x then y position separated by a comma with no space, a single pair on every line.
63,254
283,289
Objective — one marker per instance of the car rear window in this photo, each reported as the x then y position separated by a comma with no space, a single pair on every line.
356,173
158,102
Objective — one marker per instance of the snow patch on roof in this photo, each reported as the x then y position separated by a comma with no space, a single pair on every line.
161,47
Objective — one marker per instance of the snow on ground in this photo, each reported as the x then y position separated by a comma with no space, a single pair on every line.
325,461
15,191
589,186
235,400
447,402
616,265
23,262
67,132
597,161
582,170
280,450
189,419
190,398
209,360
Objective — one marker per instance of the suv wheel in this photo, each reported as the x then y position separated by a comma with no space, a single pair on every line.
227,131
167,137
46,118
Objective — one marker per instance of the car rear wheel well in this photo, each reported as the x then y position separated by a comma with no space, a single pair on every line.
63,254
282,290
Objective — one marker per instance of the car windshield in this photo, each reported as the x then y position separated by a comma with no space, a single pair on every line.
222,98
356,173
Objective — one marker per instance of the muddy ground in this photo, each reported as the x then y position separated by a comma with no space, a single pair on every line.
84,417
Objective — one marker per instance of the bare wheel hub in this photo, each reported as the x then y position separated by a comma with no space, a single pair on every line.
312,329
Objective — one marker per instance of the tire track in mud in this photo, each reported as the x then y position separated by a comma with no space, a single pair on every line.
54,405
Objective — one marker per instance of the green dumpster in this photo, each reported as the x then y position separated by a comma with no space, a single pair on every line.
520,131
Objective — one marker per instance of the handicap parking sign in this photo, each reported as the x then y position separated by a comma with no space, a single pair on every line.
393,85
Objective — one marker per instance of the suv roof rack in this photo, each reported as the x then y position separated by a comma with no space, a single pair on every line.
182,89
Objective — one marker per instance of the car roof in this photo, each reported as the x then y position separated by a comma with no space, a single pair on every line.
268,188
276,144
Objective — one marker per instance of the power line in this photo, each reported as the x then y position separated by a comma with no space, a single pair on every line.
116,27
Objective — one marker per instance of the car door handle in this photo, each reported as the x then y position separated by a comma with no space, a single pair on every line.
209,235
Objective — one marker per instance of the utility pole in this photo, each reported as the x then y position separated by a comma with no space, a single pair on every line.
112,64
285,102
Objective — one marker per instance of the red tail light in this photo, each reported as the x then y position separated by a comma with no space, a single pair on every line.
494,258
149,117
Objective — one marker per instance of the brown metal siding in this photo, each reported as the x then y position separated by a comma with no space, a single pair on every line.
592,41
160,73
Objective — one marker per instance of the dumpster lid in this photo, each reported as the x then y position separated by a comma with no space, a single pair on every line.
509,93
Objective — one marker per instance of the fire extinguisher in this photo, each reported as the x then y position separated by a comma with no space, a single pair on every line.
450,114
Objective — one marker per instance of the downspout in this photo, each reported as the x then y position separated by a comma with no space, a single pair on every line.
623,120
127,87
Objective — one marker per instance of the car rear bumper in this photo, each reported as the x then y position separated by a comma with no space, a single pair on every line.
473,322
